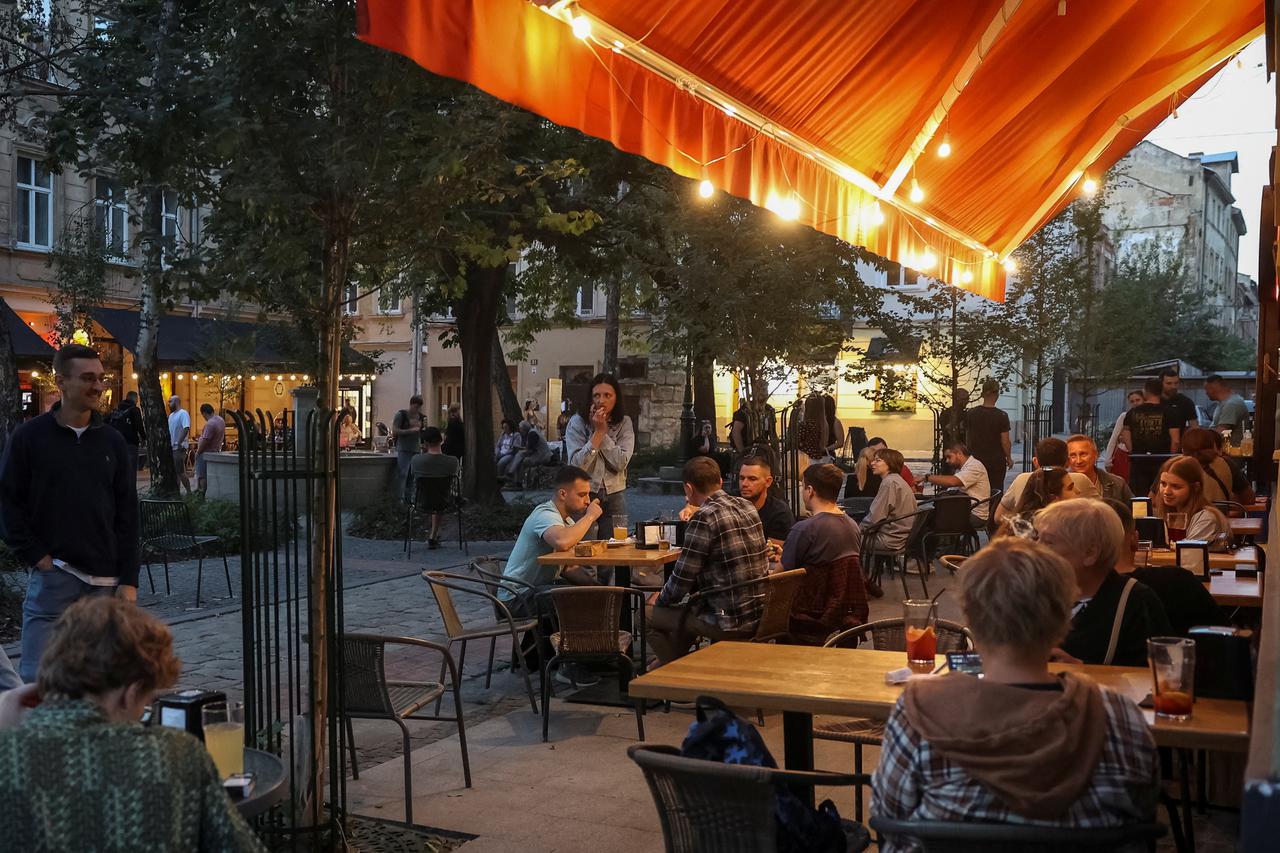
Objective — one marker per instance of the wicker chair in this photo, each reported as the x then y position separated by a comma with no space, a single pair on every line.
709,806
961,837
167,530
367,694
443,586
951,522
488,572
886,635
779,594
588,618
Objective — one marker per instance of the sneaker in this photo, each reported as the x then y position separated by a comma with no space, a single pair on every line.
575,676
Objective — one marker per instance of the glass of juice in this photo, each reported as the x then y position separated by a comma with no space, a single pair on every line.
920,623
1176,525
621,528
1173,669
224,736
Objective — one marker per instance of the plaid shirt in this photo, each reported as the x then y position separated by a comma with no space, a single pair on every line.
724,544
913,782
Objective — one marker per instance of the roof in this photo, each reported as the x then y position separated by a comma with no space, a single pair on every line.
1222,157
27,345
830,111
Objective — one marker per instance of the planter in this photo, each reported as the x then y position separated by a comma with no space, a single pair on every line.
365,477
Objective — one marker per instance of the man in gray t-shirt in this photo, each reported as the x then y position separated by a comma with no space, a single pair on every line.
1232,410
431,462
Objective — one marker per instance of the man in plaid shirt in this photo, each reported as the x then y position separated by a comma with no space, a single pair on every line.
1021,745
724,545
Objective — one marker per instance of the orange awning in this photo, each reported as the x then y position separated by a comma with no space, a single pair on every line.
830,111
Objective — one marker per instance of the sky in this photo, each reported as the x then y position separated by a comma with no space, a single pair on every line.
1235,111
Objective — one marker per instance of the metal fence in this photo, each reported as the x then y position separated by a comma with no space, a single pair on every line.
1037,422
279,480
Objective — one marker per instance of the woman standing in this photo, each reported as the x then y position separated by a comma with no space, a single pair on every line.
835,429
1180,488
601,443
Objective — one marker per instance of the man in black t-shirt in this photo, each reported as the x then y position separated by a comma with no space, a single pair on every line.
1182,412
755,479
987,429
1149,428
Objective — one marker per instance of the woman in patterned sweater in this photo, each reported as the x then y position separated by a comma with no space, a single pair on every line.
81,773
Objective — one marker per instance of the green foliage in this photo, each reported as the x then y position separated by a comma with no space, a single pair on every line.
222,519
646,461
386,519
79,261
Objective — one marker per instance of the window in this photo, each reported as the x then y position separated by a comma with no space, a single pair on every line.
111,216
169,231
35,204
388,301
351,300
895,391
586,300
633,367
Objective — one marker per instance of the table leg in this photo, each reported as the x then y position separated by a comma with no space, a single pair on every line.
797,739
622,578
1184,774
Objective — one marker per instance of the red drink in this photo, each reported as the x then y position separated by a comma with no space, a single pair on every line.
1173,703
922,645
1177,534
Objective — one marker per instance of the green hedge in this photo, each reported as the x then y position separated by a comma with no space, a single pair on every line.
386,520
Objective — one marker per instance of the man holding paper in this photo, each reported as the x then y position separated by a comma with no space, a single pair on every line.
69,503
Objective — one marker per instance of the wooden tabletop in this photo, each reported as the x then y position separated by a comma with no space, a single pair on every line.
1231,591
626,555
850,683
1246,526
1246,556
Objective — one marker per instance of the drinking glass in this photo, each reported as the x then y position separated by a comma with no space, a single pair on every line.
1173,669
224,736
621,528
920,622
1176,524
1142,558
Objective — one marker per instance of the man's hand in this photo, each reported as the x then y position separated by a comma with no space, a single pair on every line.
15,703
1057,655
45,563
594,510
128,593
687,512
1008,462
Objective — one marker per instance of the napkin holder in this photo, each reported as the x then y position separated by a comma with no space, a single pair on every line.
590,548
650,533
182,709
1224,664
1193,555
1140,507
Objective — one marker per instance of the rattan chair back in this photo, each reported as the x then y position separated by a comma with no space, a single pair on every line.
434,494
889,635
589,618
951,515
934,836
444,600
364,677
775,614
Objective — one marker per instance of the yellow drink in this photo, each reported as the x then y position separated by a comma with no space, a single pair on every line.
225,742
619,533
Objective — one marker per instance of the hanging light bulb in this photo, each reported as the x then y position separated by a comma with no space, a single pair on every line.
179,375
927,261
706,189
730,111
790,209
966,277
135,376
944,150
917,194
1010,265
581,27
873,215
35,374
1089,187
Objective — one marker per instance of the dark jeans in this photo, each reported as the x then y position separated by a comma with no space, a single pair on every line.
48,595
669,640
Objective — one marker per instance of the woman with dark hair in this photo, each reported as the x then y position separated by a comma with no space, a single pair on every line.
601,443
1046,486
835,429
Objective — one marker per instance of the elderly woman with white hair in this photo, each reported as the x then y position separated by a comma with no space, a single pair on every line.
1021,745
1113,615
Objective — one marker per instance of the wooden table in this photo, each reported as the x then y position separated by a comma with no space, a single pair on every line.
623,559
1231,591
1247,527
801,681
1246,557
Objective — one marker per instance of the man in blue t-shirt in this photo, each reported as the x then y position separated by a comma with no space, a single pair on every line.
551,526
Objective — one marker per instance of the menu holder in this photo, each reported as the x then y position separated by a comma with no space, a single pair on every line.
1193,555
1141,507
650,533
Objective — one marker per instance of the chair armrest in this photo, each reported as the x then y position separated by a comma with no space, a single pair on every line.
698,596
821,777
415,641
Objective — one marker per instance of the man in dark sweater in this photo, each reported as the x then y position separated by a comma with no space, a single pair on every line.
755,481
1114,615
69,503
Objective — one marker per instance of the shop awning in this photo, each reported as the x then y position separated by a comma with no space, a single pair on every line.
831,111
27,345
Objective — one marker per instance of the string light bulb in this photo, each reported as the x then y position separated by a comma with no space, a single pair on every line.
928,260
1089,187
581,27
916,195
966,277
135,376
179,375
873,215
1010,265
944,150
706,189
35,374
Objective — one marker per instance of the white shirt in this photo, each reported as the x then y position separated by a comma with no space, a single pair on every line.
178,421
973,479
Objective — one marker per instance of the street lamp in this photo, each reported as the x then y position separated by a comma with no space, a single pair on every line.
687,425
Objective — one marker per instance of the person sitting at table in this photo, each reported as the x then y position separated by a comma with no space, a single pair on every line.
1046,486
878,443
1187,601
865,482
1113,616
1050,452
1223,481
827,546
723,545
1180,488
1021,744
970,476
80,772
888,523
1082,458
755,484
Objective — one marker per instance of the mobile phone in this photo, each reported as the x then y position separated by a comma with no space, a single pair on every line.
969,663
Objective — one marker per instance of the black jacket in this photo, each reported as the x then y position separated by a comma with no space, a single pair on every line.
75,499
1144,617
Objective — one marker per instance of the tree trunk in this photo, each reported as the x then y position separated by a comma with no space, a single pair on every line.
477,317
10,391
155,420
612,306
502,382
704,389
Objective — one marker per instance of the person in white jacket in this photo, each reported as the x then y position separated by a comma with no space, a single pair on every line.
600,440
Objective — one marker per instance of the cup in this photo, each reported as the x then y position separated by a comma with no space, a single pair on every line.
224,736
1173,670
621,529
920,623
1176,525
1142,557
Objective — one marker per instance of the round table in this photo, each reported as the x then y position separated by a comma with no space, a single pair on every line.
268,784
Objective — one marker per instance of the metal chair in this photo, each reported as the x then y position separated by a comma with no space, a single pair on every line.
167,529
706,805
886,635
589,619
913,547
1232,509
488,572
951,522
953,562
367,694
443,586
935,836
431,495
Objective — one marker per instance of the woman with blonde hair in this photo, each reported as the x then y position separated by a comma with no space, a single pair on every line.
1180,488
867,479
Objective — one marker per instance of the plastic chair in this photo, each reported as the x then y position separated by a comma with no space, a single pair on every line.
589,617
913,547
886,635
443,586
367,694
951,522
709,806
431,495
167,529
959,837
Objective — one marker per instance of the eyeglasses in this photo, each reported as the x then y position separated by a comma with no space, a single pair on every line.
90,378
